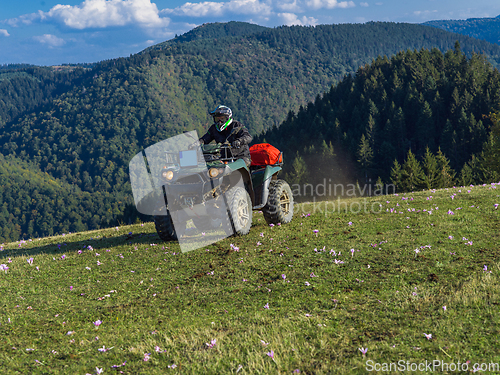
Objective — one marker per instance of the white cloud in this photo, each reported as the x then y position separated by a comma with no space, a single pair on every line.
248,7
105,13
364,4
50,40
329,4
291,19
288,6
211,8
25,19
4,32
206,8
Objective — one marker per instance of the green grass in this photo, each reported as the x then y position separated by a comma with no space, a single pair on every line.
383,297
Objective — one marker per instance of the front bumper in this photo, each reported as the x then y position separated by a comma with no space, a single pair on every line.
196,195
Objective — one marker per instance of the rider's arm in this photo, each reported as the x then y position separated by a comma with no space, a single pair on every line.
208,137
244,136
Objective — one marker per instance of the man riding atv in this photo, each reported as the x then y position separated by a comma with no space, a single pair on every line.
214,187
225,129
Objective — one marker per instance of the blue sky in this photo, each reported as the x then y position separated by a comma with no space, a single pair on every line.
51,32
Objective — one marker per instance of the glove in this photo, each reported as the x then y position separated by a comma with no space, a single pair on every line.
236,144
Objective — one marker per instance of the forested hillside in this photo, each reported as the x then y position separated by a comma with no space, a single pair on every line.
268,72
24,88
83,126
33,202
426,102
481,28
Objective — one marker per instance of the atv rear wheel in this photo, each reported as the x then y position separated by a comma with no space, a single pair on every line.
239,208
279,207
165,227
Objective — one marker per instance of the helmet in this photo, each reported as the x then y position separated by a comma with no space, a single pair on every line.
222,110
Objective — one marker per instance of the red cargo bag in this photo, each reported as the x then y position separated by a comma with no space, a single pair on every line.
265,154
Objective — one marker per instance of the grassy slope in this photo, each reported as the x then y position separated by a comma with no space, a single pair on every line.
384,296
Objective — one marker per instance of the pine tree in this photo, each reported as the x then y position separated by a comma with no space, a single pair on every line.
398,130
327,151
299,173
446,138
327,162
491,149
337,131
365,156
429,166
486,168
425,127
412,175
446,175
396,175
379,187
466,175
473,171
370,131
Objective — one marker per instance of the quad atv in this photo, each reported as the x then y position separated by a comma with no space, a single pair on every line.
218,192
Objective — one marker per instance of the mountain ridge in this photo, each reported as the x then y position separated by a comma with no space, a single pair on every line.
211,31
487,28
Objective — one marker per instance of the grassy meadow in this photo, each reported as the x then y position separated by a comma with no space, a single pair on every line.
415,277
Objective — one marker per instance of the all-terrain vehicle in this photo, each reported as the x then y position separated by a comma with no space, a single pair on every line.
218,192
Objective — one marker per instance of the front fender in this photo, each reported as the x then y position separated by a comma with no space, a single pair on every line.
239,166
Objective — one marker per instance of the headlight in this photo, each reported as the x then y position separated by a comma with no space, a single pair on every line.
168,174
213,172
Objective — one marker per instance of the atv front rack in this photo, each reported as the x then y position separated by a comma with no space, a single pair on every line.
219,152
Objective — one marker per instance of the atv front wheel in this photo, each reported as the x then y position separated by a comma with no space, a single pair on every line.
279,207
239,207
165,227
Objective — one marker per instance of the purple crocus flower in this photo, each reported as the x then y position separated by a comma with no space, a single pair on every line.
271,354
212,343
